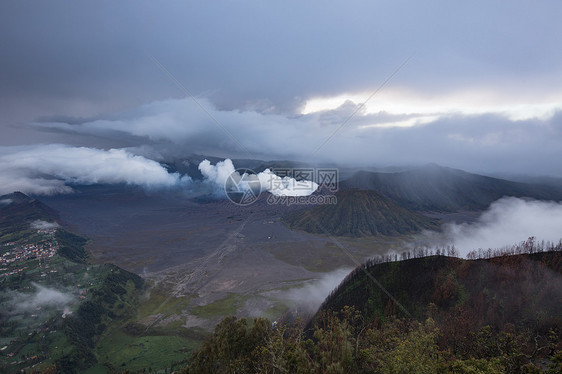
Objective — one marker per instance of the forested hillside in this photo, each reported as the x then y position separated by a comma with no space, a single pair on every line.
433,314
524,290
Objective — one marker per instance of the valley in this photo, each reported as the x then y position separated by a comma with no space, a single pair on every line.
186,261
210,255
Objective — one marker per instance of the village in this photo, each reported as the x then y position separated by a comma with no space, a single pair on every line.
14,260
31,335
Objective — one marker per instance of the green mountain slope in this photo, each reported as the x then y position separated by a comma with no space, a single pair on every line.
359,213
18,210
54,304
521,290
498,315
439,188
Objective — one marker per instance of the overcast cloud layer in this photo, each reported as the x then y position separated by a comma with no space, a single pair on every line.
468,85
478,142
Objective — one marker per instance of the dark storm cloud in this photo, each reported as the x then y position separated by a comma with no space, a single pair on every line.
255,65
82,58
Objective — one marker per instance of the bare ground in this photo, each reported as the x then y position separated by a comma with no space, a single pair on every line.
203,252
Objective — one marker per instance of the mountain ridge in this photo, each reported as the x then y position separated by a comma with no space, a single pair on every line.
437,188
19,210
359,213
517,289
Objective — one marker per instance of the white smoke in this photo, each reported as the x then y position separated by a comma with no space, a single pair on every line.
66,312
218,174
47,169
508,221
43,225
310,297
4,202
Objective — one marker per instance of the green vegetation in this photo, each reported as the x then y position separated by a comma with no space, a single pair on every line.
120,350
96,296
54,306
225,306
359,213
15,218
518,289
71,246
158,301
345,343
447,315
114,299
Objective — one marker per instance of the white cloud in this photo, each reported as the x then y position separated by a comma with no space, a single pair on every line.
508,221
47,169
43,225
5,202
43,296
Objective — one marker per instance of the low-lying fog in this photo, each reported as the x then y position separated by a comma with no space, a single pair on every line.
508,221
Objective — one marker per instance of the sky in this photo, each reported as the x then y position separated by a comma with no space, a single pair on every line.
472,85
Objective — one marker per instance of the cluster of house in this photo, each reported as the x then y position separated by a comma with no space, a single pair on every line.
18,253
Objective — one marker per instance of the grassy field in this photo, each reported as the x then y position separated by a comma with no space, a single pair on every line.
222,307
158,301
119,351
